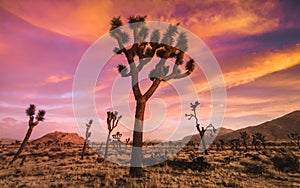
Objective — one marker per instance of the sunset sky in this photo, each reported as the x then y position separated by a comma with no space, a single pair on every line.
256,43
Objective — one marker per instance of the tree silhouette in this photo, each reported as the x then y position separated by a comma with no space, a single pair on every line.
112,122
222,144
257,140
30,111
143,52
244,136
235,144
295,139
87,136
201,130
261,138
117,138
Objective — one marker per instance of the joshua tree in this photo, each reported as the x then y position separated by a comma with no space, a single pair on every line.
255,142
244,136
112,122
127,141
30,111
117,137
143,52
222,144
261,138
295,138
201,130
235,144
87,136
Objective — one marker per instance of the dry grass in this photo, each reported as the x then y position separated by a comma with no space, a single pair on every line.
62,167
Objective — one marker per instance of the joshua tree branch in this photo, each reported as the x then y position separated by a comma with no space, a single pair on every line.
152,88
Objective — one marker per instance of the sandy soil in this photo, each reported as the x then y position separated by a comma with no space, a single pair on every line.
60,166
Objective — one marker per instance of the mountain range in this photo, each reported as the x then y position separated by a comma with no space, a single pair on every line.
274,130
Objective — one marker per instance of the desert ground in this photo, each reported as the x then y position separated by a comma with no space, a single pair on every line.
61,166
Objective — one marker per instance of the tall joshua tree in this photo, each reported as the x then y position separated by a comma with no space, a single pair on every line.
112,122
30,111
87,136
201,130
143,52
244,136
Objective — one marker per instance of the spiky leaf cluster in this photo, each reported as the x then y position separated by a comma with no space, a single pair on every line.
117,136
190,65
155,36
41,115
30,111
182,42
115,23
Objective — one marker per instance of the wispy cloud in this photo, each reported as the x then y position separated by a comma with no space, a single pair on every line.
58,78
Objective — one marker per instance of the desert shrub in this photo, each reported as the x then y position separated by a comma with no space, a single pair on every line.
254,168
286,162
10,153
254,157
55,149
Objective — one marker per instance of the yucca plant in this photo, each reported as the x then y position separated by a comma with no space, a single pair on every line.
201,130
244,136
295,138
161,47
112,122
30,112
87,136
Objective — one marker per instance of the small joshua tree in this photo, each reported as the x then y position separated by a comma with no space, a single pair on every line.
257,140
87,136
222,144
201,130
261,138
235,144
117,137
295,139
127,141
30,112
244,136
112,122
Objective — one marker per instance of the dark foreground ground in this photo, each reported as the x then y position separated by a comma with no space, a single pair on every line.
60,166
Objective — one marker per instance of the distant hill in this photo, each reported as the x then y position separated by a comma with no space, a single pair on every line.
7,140
196,137
274,130
60,138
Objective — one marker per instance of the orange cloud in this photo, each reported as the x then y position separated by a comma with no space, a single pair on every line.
234,17
58,78
252,67
258,65
79,19
88,20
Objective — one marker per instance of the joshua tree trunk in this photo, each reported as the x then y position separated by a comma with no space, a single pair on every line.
83,149
136,154
24,143
201,132
203,141
106,147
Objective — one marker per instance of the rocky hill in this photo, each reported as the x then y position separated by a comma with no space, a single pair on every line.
60,138
274,130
